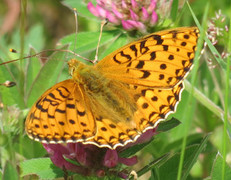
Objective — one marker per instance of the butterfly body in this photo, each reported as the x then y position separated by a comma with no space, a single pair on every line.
113,102
105,94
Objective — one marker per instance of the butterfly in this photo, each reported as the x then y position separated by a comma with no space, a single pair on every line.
115,101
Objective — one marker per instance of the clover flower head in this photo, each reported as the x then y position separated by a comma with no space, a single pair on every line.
92,160
131,14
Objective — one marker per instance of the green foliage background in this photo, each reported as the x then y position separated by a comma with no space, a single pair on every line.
203,112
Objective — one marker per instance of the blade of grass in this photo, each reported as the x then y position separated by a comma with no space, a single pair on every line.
174,9
156,162
226,109
188,114
208,103
216,54
189,164
22,75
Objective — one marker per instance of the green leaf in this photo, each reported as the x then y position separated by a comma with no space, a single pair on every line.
10,172
163,126
33,67
81,7
216,173
47,77
38,42
156,163
134,149
191,154
87,41
167,125
119,40
192,158
29,148
176,145
42,167
174,9
10,95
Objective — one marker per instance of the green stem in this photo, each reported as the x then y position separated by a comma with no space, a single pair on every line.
188,114
205,101
22,75
226,109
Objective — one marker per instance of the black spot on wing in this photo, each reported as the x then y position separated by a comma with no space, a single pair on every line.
81,113
158,39
83,124
174,34
71,121
186,36
183,44
52,102
145,74
112,126
171,57
126,55
161,76
61,123
60,111
153,55
53,97
134,49
143,48
163,66
140,65
165,47
71,106
60,90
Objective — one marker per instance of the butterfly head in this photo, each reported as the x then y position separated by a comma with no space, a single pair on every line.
73,66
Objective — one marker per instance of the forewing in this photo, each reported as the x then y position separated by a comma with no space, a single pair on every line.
61,115
159,60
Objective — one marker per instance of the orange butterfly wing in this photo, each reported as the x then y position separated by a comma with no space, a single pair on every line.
62,114
159,60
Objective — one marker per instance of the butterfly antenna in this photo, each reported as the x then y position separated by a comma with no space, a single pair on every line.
37,55
76,27
62,50
104,22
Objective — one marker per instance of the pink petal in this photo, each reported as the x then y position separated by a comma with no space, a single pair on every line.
51,148
134,4
154,18
57,158
101,3
123,175
81,154
110,158
92,9
152,6
116,12
112,18
128,161
145,15
147,135
138,25
124,4
134,16
130,24
126,25
101,11
100,173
